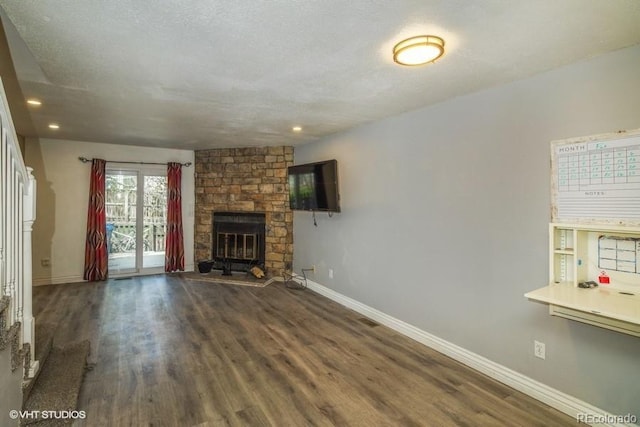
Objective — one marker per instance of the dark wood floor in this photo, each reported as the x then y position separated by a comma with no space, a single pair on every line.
174,352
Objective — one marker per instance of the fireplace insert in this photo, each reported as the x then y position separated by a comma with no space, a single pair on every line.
238,241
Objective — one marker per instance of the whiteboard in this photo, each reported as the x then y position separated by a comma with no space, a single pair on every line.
596,179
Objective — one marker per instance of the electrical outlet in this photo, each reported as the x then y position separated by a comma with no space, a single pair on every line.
330,273
45,262
539,349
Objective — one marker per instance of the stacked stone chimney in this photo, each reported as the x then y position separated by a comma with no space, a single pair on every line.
252,179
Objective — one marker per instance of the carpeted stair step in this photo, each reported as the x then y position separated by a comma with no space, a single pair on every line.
44,340
5,302
44,343
58,385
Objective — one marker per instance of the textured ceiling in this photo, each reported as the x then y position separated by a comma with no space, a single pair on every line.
204,73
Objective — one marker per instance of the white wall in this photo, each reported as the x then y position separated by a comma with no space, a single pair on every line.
63,191
445,215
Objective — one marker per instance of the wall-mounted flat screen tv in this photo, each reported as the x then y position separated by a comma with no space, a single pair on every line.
314,187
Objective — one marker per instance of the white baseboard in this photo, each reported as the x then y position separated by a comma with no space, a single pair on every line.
539,391
44,281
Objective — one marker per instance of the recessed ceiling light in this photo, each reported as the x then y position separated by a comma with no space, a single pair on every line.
54,126
418,50
35,102
297,128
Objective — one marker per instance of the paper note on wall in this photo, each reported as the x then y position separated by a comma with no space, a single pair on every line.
619,254
596,180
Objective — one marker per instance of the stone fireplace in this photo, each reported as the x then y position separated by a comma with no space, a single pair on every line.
248,181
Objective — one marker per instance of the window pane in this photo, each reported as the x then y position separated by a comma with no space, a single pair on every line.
154,220
120,204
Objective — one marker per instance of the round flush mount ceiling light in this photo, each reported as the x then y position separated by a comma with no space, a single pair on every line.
34,102
418,50
297,128
54,126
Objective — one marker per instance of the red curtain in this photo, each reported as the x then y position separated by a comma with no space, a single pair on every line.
174,245
95,252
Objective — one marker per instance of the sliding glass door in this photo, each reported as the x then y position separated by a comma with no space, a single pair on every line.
154,220
136,204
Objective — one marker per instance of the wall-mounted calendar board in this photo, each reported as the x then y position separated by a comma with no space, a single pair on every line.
596,179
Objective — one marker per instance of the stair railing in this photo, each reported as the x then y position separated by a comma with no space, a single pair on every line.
17,214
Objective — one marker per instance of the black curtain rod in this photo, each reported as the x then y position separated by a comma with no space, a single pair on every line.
85,160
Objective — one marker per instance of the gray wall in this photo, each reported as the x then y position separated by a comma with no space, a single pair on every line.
445,218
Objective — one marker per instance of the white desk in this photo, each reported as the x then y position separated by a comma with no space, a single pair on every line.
603,307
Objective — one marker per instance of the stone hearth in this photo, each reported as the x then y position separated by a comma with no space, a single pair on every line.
252,179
